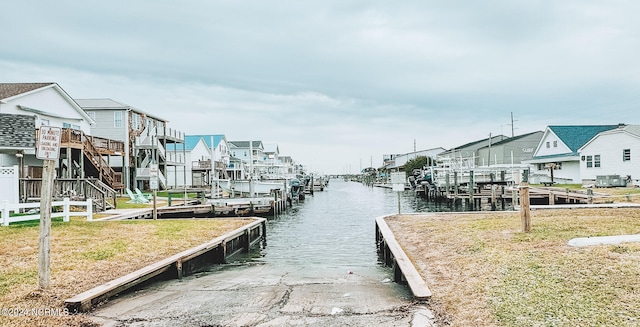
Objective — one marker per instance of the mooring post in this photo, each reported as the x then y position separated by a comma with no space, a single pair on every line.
525,210
471,189
455,186
179,269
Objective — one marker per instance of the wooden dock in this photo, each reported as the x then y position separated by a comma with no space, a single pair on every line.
392,255
216,251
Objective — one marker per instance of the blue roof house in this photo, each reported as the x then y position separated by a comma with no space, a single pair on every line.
558,150
199,152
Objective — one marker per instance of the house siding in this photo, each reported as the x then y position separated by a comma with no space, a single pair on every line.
555,146
610,148
51,101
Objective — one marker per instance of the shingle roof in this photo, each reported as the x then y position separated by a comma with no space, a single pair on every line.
577,136
105,103
8,90
245,144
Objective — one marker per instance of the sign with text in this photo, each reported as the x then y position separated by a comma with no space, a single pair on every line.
398,181
398,178
49,143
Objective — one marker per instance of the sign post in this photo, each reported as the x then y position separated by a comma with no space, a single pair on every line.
398,181
153,185
48,150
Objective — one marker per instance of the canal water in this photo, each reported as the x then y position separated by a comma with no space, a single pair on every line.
319,267
334,230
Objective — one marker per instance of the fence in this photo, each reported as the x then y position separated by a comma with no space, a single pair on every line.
7,208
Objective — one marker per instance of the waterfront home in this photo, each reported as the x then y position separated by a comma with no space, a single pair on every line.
24,108
200,152
145,136
249,152
276,166
557,153
615,152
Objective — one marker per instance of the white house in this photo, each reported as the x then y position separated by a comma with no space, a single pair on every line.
612,152
558,150
199,154
24,107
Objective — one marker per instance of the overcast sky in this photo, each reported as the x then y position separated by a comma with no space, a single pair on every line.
337,84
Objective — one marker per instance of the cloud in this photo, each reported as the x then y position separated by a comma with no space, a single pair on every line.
336,82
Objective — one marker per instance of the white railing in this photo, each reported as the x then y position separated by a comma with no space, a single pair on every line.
7,208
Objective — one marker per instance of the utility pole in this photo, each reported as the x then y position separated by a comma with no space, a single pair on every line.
512,128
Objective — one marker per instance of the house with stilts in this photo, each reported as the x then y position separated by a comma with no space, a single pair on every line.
200,152
246,157
145,136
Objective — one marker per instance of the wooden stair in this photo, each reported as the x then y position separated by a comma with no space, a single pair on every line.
105,172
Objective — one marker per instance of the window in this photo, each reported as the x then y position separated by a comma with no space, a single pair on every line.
589,161
548,145
92,115
117,119
555,144
596,160
66,125
136,123
626,155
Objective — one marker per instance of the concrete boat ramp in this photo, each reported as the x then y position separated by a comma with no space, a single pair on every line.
260,295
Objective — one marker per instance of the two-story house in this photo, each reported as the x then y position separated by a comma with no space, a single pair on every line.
24,107
250,154
145,136
200,151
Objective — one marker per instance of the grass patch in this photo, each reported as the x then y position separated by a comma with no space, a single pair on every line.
86,254
484,272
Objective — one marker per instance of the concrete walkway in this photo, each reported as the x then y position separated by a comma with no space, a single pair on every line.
601,240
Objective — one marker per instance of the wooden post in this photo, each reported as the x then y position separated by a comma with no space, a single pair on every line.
455,186
471,186
44,240
525,210
155,206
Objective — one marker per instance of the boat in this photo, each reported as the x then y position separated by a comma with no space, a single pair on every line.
245,186
296,190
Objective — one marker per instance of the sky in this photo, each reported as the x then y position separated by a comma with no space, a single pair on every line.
338,84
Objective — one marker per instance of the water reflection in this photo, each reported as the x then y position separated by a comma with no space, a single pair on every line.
335,229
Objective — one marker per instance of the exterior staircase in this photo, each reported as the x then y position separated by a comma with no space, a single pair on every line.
94,158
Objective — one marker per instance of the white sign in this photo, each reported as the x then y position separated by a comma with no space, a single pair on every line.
153,170
153,183
398,187
398,178
398,181
49,143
